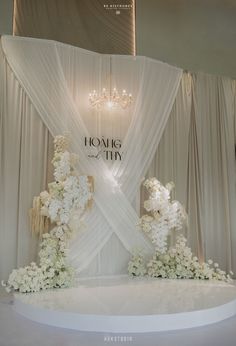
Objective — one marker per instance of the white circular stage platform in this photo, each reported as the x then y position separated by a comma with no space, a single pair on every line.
129,305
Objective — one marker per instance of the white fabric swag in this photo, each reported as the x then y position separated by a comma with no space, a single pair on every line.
57,79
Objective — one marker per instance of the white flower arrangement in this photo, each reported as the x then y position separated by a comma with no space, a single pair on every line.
166,215
177,262
67,198
137,266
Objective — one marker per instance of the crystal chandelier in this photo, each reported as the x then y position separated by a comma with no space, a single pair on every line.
111,98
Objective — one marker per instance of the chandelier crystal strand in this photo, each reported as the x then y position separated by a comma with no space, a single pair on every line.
111,98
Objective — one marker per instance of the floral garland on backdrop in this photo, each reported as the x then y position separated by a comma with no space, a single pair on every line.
177,262
63,206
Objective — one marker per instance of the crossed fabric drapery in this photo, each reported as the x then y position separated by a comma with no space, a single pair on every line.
57,79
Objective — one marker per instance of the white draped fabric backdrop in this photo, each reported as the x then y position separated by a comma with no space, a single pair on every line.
180,128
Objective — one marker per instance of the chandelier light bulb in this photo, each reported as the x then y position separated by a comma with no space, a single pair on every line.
110,104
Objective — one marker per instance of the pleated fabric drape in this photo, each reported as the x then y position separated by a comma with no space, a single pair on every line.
197,152
213,101
24,145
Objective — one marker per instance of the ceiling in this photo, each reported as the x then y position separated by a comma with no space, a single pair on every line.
197,35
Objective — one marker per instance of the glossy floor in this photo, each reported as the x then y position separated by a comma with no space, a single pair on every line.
15,330
131,305
128,296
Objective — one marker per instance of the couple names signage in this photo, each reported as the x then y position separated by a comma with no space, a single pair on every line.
107,148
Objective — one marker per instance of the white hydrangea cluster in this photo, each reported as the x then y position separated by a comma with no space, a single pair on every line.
70,192
27,279
53,270
137,266
61,143
166,215
178,263
66,201
65,197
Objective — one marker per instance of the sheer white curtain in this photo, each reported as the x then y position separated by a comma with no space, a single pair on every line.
214,116
197,152
171,159
49,73
170,162
23,170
